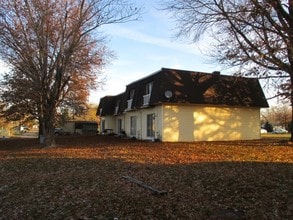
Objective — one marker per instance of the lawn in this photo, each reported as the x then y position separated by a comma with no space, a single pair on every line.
82,178
276,136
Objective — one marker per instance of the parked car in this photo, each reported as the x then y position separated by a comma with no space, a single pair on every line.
59,131
279,131
24,129
20,129
263,131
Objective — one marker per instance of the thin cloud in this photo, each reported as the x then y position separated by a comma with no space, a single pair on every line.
148,39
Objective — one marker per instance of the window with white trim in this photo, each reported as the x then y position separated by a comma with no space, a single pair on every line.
148,91
151,125
149,88
130,98
133,126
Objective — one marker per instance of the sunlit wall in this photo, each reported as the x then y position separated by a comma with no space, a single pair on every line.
199,123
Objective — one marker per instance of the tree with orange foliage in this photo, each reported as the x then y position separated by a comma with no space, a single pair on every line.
55,54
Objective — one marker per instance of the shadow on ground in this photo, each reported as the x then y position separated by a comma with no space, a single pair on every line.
55,184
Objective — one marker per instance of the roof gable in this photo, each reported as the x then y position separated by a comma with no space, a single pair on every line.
108,104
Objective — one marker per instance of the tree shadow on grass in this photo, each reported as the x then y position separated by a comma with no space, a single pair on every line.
75,188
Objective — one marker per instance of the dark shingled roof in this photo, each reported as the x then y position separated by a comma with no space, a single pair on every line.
192,88
107,105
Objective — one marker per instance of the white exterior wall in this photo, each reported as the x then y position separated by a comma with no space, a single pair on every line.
141,122
175,123
110,122
200,123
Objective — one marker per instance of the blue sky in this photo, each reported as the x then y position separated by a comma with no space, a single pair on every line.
143,47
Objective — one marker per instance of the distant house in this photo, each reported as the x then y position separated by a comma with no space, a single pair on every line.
177,105
80,127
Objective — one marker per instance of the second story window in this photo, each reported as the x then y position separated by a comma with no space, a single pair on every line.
129,101
149,87
117,107
148,91
131,93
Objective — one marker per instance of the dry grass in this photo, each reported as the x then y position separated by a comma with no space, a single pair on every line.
82,179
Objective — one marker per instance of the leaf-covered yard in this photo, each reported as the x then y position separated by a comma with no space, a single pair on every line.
82,179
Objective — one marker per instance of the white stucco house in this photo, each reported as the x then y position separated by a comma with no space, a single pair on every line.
178,105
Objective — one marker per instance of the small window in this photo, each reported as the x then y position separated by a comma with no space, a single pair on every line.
117,107
117,103
131,93
149,87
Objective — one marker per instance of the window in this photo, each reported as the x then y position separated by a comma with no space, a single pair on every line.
148,91
150,125
129,101
102,126
131,93
133,126
119,125
117,107
148,88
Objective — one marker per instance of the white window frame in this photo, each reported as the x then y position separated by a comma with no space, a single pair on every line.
133,126
150,125
149,88
148,91
117,107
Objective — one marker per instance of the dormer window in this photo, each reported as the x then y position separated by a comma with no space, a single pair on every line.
129,101
148,88
131,93
117,107
148,91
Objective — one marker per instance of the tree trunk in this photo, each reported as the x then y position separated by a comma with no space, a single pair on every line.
291,98
291,138
48,124
40,130
48,134
49,139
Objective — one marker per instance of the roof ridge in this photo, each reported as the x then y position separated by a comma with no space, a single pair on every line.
145,77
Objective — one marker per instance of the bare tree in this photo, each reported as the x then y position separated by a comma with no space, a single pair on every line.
256,36
278,115
55,51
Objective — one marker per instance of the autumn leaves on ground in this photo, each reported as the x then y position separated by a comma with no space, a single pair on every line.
82,178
